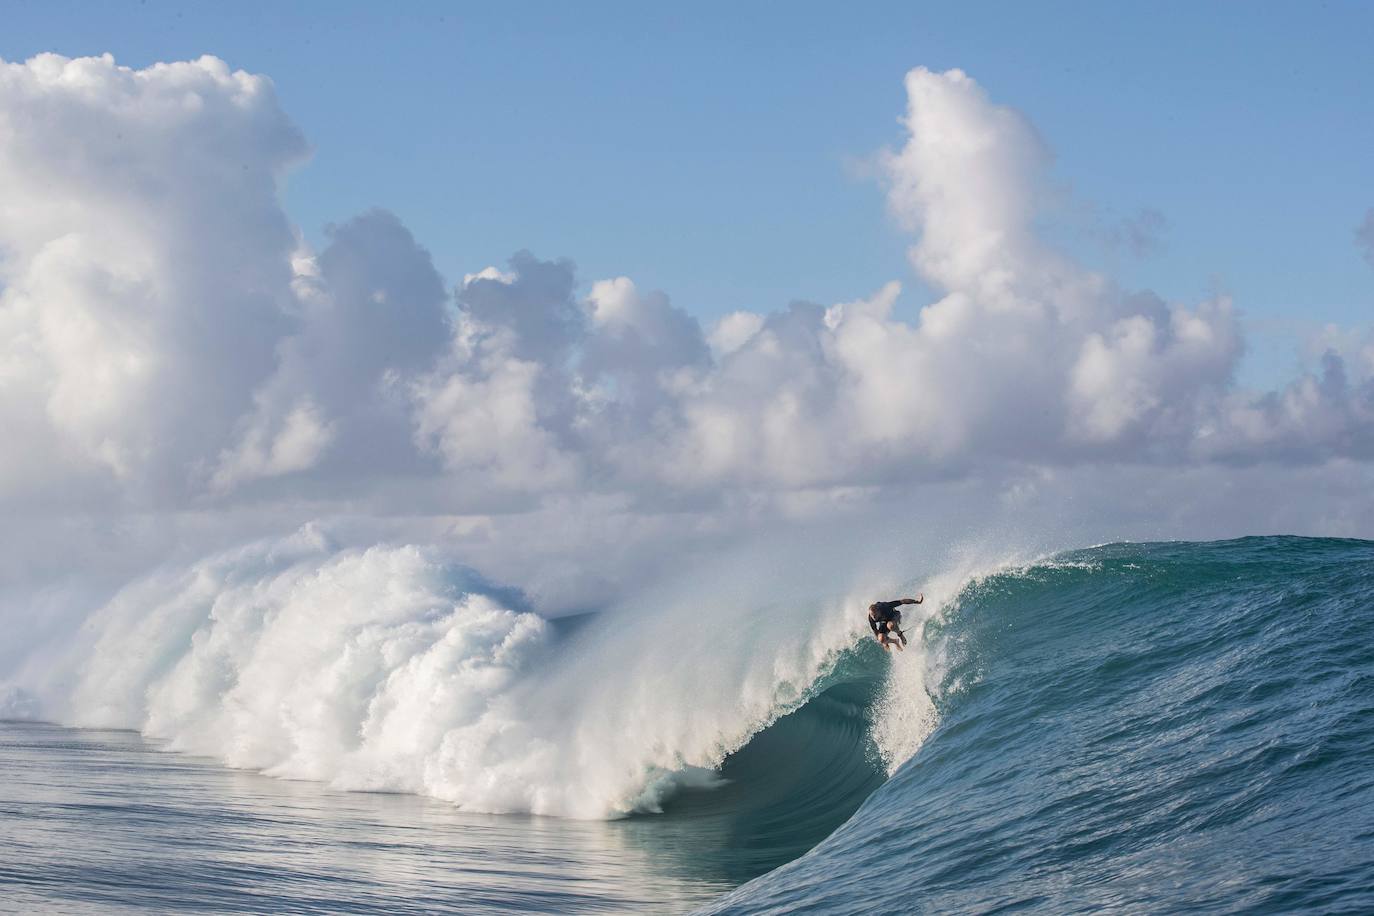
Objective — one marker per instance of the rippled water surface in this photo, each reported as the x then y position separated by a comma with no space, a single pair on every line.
101,820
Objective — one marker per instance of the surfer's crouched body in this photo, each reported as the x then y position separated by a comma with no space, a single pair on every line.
886,621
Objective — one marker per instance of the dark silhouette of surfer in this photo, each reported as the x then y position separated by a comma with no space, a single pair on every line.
886,621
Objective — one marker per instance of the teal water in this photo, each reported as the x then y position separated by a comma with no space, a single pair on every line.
1169,727
1162,728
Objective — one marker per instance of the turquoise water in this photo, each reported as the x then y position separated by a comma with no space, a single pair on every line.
1162,727
1167,727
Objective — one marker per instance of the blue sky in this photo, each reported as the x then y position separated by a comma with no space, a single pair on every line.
713,151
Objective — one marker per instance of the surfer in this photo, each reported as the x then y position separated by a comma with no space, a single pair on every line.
885,620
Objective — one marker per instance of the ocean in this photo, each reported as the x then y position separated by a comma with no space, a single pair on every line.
1164,727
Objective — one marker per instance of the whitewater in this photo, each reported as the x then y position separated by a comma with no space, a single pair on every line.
396,669
1160,726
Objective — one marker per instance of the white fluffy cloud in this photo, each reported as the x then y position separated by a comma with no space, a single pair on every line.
162,333
144,262
370,315
1026,356
166,339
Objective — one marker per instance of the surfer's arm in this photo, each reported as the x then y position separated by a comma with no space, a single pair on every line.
917,600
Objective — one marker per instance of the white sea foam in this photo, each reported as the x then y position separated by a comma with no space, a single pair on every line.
907,712
394,668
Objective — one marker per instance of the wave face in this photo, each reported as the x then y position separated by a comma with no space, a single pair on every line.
1162,727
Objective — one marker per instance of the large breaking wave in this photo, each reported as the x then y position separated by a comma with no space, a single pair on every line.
1077,731
395,668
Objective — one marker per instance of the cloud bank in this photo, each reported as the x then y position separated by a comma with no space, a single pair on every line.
169,344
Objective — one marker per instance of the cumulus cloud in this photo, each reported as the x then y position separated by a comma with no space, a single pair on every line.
145,262
1025,357
167,338
734,331
1321,415
295,444
498,410
162,330
542,391
370,315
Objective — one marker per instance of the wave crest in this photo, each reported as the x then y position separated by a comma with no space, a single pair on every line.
394,669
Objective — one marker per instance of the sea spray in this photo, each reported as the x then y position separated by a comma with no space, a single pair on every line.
394,668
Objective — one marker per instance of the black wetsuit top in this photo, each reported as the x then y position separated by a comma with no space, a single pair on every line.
884,611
